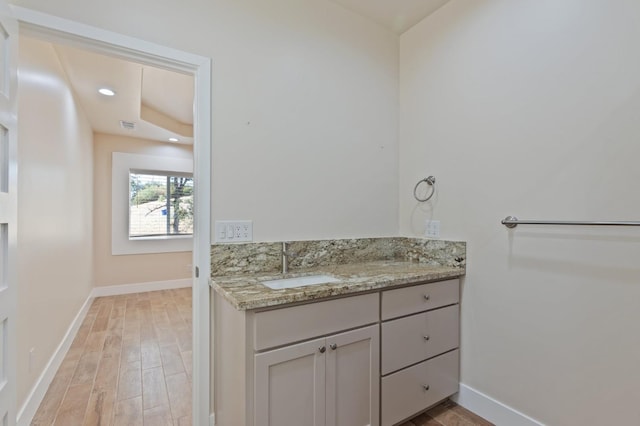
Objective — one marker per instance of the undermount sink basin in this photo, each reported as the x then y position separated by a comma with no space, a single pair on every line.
299,281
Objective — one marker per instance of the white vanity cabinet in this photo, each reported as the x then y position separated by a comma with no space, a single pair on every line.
371,359
315,364
329,381
420,340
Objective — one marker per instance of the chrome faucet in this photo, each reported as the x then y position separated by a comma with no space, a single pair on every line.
285,259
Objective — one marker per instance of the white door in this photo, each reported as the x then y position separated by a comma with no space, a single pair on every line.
290,385
353,380
8,212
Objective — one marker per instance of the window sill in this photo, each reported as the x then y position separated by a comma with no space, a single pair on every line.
162,238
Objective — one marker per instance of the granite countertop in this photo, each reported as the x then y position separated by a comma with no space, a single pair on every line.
245,292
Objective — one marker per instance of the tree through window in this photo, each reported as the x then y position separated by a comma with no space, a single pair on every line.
160,204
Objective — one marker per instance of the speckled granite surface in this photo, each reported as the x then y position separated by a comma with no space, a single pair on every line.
246,292
252,258
360,265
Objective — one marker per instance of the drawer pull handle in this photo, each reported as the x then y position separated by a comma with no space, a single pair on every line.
426,338
425,387
333,346
322,349
427,297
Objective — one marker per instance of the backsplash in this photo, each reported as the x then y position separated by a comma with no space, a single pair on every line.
251,258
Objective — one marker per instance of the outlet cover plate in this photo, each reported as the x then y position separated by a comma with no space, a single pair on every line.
234,231
432,229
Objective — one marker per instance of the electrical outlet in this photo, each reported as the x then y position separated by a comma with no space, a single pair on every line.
234,231
432,229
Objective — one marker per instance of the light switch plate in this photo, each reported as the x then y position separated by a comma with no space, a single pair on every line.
234,231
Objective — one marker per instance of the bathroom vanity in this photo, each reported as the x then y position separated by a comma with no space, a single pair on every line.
375,347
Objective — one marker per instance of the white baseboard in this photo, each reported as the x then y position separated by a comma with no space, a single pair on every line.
30,406
35,397
114,290
491,409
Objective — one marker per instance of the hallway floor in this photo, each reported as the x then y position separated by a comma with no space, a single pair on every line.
130,364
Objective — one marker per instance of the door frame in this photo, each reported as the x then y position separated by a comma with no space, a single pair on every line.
58,30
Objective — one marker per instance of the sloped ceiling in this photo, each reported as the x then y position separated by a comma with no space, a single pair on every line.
397,15
159,102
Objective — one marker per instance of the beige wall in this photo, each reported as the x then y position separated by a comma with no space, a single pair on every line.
530,108
54,209
304,107
129,269
526,108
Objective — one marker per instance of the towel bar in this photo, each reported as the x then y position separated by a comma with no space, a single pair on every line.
512,222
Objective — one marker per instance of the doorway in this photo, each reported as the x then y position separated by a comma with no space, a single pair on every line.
52,29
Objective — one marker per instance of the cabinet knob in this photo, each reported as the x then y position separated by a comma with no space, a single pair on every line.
425,387
322,349
427,297
426,337
333,346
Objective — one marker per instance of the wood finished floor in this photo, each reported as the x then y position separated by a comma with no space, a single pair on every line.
448,413
130,364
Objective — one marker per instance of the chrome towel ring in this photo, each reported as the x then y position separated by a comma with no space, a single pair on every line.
431,181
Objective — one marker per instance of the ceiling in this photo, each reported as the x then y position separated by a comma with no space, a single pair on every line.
159,102
397,15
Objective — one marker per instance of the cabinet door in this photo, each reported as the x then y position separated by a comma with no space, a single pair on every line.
353,384
290,385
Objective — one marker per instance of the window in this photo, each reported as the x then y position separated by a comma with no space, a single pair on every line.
160,204
151,204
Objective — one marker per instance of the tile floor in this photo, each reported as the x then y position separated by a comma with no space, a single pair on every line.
130,364
448,413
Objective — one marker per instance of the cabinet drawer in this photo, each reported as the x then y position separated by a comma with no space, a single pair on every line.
287,325
404,393
409,300
412,339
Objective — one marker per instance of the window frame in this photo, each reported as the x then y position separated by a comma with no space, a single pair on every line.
168,216
122,165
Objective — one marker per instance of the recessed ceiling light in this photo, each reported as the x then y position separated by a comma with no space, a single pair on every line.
173,139
106,92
